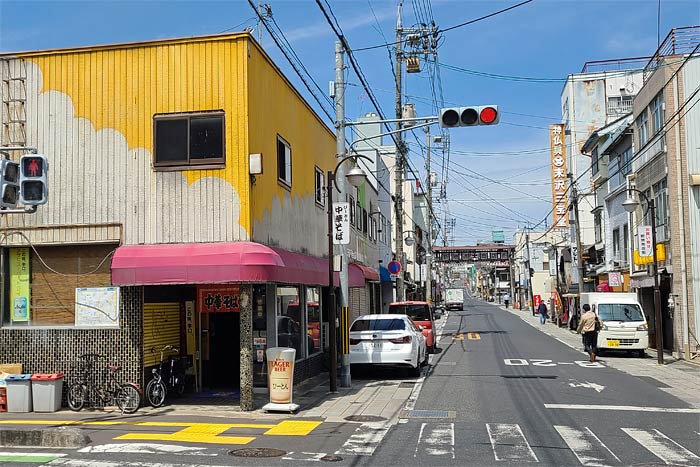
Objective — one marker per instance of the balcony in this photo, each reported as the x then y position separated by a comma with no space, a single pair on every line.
679,41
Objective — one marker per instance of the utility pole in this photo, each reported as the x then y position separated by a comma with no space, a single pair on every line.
345,381
429,197
529,273
400,154
577,226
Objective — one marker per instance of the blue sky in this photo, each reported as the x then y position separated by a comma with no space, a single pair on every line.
542,39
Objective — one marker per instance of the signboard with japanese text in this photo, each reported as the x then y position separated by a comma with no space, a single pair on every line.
20,294
97,307
341,223
225,298
645,244
560,212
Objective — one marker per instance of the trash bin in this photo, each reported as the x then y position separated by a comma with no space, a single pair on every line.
19,393
47,389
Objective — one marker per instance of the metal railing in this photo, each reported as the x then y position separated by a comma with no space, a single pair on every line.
679,41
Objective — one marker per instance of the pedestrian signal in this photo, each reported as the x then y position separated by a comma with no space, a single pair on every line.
9,184
33,181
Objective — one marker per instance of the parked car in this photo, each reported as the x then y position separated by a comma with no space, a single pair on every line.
387,339
422,314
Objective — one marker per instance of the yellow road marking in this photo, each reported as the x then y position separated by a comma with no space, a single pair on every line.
229,425
473,336
292,428
458,337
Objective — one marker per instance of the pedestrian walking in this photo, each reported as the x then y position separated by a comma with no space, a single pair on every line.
506,299
589,327
542,310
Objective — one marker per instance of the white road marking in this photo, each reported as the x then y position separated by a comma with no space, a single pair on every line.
304,456
32,454
588,385
566,343
436,439
584,446
565,363
663,447
120,463
147,448
621,408
365,440
508,443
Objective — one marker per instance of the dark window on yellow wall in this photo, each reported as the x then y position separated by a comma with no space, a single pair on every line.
284,162
319,193
182,140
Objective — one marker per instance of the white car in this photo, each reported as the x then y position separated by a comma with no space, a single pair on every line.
387,339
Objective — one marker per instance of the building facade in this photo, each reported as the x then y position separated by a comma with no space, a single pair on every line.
186,207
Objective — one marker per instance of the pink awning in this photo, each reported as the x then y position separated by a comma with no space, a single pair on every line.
368,273
211,263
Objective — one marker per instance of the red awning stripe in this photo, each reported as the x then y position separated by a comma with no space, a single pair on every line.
211,263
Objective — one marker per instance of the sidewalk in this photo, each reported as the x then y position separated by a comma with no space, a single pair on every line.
676,377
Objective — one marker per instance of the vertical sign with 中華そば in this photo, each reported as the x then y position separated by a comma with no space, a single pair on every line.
19,285
341,223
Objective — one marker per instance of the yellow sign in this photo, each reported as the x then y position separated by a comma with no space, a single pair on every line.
19,285
660,255
560,212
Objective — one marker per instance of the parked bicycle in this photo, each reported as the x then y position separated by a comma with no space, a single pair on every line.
169,375
89,387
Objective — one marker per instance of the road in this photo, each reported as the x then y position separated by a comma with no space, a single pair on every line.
499,392
492,398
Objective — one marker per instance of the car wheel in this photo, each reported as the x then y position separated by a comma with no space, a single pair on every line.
641,353
417,370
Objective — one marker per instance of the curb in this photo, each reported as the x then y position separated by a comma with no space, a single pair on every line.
61,437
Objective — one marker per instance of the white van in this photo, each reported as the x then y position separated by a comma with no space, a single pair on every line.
624,324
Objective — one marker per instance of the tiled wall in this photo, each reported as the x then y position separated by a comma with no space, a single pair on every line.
54,350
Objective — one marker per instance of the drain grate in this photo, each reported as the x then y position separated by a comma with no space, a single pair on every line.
257,452
365,418
432,414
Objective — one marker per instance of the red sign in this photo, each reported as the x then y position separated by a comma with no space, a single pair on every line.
538,300
394,267
219,298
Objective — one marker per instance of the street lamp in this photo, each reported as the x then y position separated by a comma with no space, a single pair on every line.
355,176
630,205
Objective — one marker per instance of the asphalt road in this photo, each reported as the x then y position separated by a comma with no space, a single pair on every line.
491,392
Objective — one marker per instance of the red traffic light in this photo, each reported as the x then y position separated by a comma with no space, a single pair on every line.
488,115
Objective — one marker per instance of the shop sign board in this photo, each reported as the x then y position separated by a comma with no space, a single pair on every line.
559,176
224,298
280,373
20,294
645,246
341,223
615,279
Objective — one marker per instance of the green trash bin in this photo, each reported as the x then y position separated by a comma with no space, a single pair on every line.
47,389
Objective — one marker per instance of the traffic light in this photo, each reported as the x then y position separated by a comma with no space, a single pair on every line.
9,183
469,116
33,182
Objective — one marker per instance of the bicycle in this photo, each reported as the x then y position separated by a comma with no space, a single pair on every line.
126,396
157,388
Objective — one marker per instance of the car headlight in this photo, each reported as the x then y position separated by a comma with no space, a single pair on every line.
643,327
605,327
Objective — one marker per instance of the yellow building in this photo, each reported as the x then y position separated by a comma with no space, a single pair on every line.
186,207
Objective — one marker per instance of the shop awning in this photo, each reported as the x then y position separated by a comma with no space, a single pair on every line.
211,263
369,274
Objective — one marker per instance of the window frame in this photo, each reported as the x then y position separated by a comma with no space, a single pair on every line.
285,183
198,164
319,196
656,109
643,127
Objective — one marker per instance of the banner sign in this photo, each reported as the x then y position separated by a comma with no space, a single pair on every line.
645,245
19,285
560,212
225,298
341,223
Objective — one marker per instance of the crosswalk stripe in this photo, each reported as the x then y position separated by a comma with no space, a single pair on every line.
584,446
508,443
365,440
663,447
436,439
